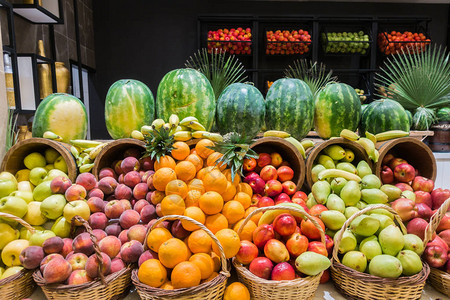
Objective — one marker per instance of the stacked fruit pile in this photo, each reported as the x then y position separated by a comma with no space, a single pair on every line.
396,42
234,41
345,42
287,42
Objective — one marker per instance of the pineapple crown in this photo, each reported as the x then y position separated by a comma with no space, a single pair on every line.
158,143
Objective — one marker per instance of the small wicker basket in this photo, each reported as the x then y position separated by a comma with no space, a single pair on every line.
357,285
439,279
210,290
113,286
20,285
297,289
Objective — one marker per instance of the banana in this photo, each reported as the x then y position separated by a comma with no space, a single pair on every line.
307,144
145,130
392,134
215,137
349,135
136,134
187,120
79,161
376,156
93,154
371,137
174,121
369,146
194,125
182,136
270,215
74,151
166,126
338,173
85,143
86,160
199,134
52,136
87,150
297,145
277,133
86,168
183,128
158,123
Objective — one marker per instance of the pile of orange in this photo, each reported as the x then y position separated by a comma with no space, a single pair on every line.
190,182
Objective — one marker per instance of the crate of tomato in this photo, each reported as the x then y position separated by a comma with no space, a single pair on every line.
234,41
286,42
396,41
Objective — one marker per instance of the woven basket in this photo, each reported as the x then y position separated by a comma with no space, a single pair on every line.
297,289
210,290
440,280
357,285
19,285
111,287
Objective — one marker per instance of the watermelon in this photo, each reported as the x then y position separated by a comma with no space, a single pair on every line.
337,107
443,114
186,92
290,107
129,105
363,108
384,115
410,118
241,109
62,114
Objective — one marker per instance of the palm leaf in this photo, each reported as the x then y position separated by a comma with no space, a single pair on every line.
11,136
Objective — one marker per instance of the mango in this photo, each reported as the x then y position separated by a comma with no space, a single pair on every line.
333,219
337,184
413,243
355,260
334,202
386,266
345,166
326,161
374,196
364,225
391,191
336,152
321,190
391,240
370,181
350,211
350,193
363,169
410,261
315,172
312,263
348,242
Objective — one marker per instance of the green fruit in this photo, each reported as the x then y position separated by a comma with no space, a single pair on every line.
51,155
363,169
42,191
384,220
385,266
186,92
7,234
371,249
34,160
368,239
350,211
52,174
334,202
411,263
413,243
290,101
391,240
345,166
60,164
333,219
315,172
384,115
348,241
381,211
349,156
39,237
330,232
355,260
243,103
62,114
61,227
13,205
337,184
374,196
364,225
443,114
410,118
326,161
37,175
337,107
351,193
321,190
336,152
391,191
370,182
52,207
409,195
312,263
361,205
129,105
311,201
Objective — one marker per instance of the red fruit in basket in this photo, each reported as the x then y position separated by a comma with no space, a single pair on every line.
417,226
83,243
445,223
264,160
329,243
301,195
87,180
438,197
285,173
257,185
317,247
267,173
404,172
107,172
289,187
276,159
325,276
404,186
247,252
92,265
297,244
57,271
447,266
96,193
107,185
31,257
387,176
423,211
131,179
424,198
386,159
405,208
309,230
435,256
445,236
77,261
67,247
262,234
424,184
284,224
395,162
60,184
261,267
265,201
249,164
317,209
283,271
129,164
282,198
439,242
276,251
273,188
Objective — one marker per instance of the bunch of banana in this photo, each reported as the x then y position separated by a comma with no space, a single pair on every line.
85,152
301,146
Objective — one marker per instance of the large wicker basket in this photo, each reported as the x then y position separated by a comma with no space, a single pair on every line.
111,287
20,285
210,290
357,285
440,280
297,289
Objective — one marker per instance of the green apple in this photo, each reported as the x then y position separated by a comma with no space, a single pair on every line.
11,252
23,175
37,175
39,236
34,215
34,160
25,233
7,175
51,155
14,206
11,271
27,196
52,207
52,174
49,167
61,227
42,191
7,234
77,208
25,186
7,187
60,164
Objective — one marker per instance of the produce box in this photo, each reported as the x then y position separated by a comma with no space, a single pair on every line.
288,42
235,41
346,42
395,41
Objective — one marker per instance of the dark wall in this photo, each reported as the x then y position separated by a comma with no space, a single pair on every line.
145,39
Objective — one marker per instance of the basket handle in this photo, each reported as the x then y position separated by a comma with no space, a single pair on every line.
19,220
223,259
435,219
300,211
339,235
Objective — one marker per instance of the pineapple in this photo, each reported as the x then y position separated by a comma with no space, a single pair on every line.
158,143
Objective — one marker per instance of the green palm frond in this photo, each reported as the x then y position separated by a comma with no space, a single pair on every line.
220,69
312,73
11,136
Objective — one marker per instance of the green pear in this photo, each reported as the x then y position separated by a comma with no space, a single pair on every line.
345,166
391,240
391,191
60,164
380,211
385,221
61,227
336,152
7,234
370,181
13,205
48,225
334,202
33,160
51,155
326,161
321,190
414,243
361,205
330,232
374,196
350,211
350,193
34,215
333,219
364,225
39,237
363,169
42,191
411,262
355,260
52,174
52,207
315,172
371,249
348,242
337,184
310,202
27,196
312,263
409,195
386,266
368,239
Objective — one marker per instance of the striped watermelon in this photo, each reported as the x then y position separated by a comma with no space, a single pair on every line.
337,107
240,108
410,118
62,114
363,108
129,105
384,115
186,92
443,114
290,107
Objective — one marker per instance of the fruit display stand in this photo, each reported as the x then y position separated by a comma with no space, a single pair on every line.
439,279
13,160
209,290
288,42
112,287
357,285
396,42
21,284
298,289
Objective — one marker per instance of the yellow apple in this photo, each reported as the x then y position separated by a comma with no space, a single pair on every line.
23,175
61,227
7,234
37,175
34,215
27,196
8,176
11,252
11,271
25,186
51,155
53,173
49,167
34,160
7,186
42,191
60,164
77,207
25,233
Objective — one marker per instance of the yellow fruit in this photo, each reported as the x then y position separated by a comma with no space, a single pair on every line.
211,203
172,205
216,222
236,291
233,211
195,213
247,231
152,273
199,242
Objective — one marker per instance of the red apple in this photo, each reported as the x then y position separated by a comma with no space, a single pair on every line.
285,173
309,230
284,224
424,197
297,244
265,201
261,267
249,164
329,244
262,234
273,188
445,223
387,176
423,211
421,183
301,195
438,196
325,276
445,236
404,187
289,187
417,226
317,209
77,261
395,162
318,247
283,271
269,172
404,172
435,256
387,158
282,198
247,252
263,160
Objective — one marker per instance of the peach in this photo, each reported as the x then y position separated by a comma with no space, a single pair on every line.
317,247
137,233
262,234
283,271
87,180
261,267
282,198
123,237
146,175
140,190
247,252
57,270
276,159
54,244
129,218
113,229
123,192
265,201
289,187
114,209
149,181
148,213
284,224
158,210
116,166
149,254
131,251
134,152
107,185
126,204
78,277
146,163
31,257
110,245
132,178
273,188
117,264
75,192
297,244
120,178
99,234
263,160
110,198
92,265
276,251
96,192
129,164
83,244
67,247
285,173
77,261
106,172
139,205
98,220
47,259
60,184
156,197
96,204
178,230
269,172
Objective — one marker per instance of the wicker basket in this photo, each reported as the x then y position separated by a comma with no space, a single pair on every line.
20,285
297,289
440,280
357,285
210,290
113,286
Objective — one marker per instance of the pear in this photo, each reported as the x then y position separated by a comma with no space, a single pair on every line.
336,152
350,193
411,262
371,249
381,211
326,161
385,221
386,266
321,190
330,232
348,242
414,243
391,240
363,169
355,260
315,172
409,195
312,263
42,191
391,191
374,196
334,202
368,239
350,211
337,184
311,201
345,166
361,205
364,225
370,181
333,219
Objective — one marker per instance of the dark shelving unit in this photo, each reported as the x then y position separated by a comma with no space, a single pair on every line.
38,14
